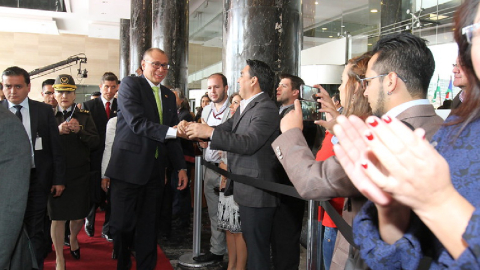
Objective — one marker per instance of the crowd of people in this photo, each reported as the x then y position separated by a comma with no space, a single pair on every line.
388,163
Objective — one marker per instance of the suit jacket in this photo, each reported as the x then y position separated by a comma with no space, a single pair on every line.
316,180
247,138
139,132
49,160
99,116
15,161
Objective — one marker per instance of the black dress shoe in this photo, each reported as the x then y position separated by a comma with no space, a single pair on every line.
107,237
208,257
89,229
75,253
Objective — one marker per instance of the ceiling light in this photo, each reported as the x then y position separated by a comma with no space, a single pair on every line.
435,17
316,3
369,44
324,28
330,36
373,10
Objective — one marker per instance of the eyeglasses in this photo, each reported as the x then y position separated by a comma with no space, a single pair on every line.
365,81
158,65
470,31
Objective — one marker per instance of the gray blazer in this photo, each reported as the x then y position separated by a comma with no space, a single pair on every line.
317,180
15,163
247,138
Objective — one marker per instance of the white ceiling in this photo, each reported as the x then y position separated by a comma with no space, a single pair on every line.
100,18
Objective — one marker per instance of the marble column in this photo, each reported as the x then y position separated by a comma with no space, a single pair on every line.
270,31
170,33
140,31
124,48
392,13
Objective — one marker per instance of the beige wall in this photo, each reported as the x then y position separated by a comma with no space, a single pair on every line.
31,51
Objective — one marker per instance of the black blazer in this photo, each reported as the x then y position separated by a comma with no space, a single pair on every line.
49,161
139,133
99,116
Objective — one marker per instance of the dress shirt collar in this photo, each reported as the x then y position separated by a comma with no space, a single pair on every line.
152,84
24,104
245,102
394,112
104,101
284,107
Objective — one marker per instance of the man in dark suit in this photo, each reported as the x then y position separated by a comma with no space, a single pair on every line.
144,140
247,137
287,223
396,84
15,156
101,109
47,163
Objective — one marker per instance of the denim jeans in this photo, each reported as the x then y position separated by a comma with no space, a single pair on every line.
329,237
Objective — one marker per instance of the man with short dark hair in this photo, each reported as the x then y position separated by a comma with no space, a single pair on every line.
95,95
101,109
287,223
214,114
48,93
47,172
396,83
145,141
247,137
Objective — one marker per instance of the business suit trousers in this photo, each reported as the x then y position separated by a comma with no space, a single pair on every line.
211,180
35,216
133,220
256,229
287,227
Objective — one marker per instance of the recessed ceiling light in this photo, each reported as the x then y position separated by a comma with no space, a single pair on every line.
373,10
316,3
324,28
369,44
435,17
330,36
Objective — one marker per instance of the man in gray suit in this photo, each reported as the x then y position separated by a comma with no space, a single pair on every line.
247,137
15,158
396,82
214,114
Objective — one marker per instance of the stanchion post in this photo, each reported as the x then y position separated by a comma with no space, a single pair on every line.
187,259
310,242
197,207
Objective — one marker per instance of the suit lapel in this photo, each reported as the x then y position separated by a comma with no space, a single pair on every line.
101,109
33,120
251,105
113,111
150,97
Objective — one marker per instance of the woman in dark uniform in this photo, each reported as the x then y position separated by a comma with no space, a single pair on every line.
78,136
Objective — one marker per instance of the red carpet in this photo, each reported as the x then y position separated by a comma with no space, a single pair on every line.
96,252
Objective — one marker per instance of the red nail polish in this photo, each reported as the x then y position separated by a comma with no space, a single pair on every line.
364,165
387,119
372,122
369,135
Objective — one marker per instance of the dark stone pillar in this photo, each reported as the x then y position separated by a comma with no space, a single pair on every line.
266,30
140,31
124,48
392,13
170,33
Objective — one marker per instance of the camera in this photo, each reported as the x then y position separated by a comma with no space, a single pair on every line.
308,92
310,110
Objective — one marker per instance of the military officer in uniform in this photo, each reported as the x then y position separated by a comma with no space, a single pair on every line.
78,135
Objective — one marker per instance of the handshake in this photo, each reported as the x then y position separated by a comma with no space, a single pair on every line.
194,131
